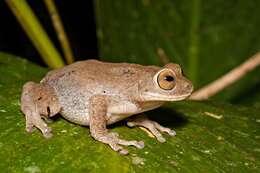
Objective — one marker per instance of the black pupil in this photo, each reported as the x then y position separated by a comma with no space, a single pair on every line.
169,78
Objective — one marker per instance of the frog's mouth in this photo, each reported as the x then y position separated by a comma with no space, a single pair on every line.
158,97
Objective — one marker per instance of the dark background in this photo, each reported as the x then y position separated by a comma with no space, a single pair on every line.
78,19
226,34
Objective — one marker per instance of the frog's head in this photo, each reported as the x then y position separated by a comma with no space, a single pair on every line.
165,84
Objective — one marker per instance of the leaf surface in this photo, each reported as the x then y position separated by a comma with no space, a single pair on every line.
227,143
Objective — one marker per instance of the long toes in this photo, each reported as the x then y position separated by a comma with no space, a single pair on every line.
140,145
168,130
165,129
123,152
47,132
157,134
29,128
48,135
130,124
35,120
161,139
115,146
171,132
118,148
137,144
154,127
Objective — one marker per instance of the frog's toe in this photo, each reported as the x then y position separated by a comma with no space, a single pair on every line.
118,148
154,128
123,152
161,139
156,133
34,120
164,129
47,132
137,144
171,132
140,144
29,128
115,137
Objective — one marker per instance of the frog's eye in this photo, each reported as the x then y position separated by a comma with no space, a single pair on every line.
166,80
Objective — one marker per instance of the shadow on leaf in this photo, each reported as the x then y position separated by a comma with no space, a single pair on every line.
167,117
164,116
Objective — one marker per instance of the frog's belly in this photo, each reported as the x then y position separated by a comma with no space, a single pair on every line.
82,117
76,110
75,107
74,104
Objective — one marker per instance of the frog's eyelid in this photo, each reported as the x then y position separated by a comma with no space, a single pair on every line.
155,78
160,82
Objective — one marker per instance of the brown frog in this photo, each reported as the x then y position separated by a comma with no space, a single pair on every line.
96,94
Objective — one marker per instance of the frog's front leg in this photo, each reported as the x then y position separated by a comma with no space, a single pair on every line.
38,100
98,130
154,127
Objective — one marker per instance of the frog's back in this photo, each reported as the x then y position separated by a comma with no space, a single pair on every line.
89,73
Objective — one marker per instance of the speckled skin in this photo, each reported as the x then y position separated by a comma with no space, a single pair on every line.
97,93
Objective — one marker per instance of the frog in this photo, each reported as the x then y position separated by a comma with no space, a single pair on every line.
97,94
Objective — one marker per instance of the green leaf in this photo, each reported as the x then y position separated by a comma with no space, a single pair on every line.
35,31
227,143
208,38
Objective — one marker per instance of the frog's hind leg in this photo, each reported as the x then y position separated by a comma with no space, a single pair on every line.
38,100
154,127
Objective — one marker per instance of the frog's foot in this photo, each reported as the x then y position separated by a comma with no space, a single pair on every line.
152,126
116,143
38,101
34,120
